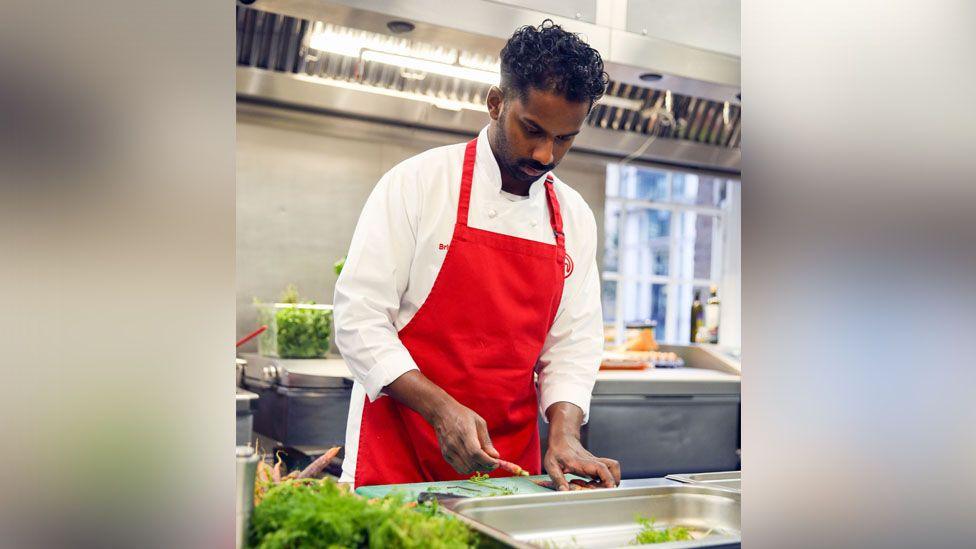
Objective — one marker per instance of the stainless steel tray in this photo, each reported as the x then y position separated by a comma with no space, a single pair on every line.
725,479
604,518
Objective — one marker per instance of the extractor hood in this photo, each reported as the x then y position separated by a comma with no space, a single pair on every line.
348,61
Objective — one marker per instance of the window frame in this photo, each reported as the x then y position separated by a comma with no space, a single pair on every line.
672,282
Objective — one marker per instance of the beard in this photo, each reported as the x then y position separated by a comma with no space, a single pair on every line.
511,163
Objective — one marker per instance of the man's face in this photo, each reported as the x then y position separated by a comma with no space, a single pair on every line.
536,131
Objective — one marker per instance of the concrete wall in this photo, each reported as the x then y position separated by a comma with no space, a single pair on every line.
301,183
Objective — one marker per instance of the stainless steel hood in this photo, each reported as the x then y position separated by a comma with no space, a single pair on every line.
276,66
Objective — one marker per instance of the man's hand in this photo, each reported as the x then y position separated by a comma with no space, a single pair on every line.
567,455
463,437
461,433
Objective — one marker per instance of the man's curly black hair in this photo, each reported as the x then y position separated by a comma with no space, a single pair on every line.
549,58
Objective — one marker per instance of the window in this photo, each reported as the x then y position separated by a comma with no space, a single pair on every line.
663,245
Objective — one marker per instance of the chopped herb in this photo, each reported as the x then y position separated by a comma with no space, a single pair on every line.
650,534
482,481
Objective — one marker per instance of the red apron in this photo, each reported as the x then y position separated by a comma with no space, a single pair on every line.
478,336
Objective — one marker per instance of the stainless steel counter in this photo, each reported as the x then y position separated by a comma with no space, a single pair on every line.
667,381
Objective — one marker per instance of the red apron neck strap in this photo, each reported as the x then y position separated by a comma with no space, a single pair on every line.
555,218
467,174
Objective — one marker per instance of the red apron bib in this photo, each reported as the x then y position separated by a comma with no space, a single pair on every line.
478,336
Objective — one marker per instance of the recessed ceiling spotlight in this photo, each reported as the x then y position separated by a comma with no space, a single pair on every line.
400,27
650,76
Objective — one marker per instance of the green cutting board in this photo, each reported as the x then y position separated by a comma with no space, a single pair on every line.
520,485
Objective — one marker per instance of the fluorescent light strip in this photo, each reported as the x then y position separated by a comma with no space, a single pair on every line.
352,44
447,104
424,65
620,102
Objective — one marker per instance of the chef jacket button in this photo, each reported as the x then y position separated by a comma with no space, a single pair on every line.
492,213
533,222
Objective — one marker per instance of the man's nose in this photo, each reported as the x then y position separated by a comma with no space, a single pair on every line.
543,153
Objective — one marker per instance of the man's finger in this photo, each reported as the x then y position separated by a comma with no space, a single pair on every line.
596,468
614,467
556,474
480,461
485,440
459,460
456,455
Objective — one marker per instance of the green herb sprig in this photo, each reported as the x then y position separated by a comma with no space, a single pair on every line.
650,534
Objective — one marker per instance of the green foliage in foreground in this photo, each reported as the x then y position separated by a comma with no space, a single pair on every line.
322,514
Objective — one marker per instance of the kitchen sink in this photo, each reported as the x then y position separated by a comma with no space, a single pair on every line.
605,518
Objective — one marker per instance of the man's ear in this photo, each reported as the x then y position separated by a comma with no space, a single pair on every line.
494,101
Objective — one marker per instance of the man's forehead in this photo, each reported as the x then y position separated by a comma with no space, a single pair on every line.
551,111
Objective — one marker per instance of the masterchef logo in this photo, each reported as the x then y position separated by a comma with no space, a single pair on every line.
568,266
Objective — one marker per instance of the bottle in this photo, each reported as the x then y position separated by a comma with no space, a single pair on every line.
696,318
711,315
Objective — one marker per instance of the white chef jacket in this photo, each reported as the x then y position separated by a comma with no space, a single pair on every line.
396,254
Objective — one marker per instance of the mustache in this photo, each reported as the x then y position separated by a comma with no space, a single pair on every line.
532,164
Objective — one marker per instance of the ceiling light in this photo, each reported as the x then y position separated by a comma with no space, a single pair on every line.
650,76
400,27
424,65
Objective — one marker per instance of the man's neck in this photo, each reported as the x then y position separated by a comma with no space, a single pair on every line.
509,183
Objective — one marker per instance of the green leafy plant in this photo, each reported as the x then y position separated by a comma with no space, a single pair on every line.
338,265
650,534
320,513
296,329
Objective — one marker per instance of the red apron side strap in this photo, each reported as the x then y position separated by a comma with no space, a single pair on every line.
555,218
467,174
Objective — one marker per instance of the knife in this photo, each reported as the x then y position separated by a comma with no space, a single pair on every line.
424,497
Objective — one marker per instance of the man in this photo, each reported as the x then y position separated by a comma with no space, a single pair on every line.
471,270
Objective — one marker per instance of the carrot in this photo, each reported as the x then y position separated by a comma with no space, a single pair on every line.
585,485
544,483
512,468
276,470
319,465
263,472
262,481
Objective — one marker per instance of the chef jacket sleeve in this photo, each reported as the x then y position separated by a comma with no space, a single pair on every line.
573,350
368,291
